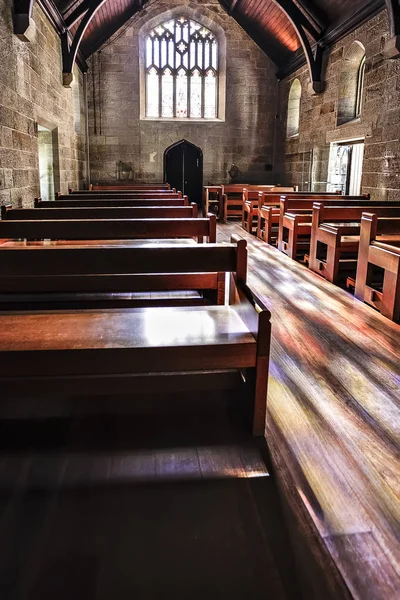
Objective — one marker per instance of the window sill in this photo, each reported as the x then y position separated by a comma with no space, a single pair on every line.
292,137
351,122
185,120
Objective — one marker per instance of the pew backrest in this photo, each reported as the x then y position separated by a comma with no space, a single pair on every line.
110,229
136,186
88,202
93,212
118,195
73,269
345,213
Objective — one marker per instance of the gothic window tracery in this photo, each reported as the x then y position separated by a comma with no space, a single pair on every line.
181,71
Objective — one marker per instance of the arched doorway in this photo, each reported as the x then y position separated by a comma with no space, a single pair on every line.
183,169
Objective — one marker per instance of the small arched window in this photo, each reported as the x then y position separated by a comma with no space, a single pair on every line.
181,61
351,84
293,117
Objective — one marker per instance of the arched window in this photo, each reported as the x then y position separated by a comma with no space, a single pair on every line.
293,116
351,84
181,61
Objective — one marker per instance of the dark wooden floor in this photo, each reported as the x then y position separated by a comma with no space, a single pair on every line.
132,506
333,420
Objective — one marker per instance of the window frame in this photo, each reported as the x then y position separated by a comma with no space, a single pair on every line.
219,34
290,109
360,88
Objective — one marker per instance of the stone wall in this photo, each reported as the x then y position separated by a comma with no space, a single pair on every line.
118,134
379,122
31,92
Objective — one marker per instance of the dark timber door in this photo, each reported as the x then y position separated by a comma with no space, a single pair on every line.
183,169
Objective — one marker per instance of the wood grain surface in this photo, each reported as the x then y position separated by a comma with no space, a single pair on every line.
333,413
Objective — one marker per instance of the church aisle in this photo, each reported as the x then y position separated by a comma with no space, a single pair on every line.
117,505
333,419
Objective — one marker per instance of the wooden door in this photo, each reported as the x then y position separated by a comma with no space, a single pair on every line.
183,169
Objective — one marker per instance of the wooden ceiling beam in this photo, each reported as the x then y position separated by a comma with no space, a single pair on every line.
313,56
69,51
109,31
312,13
392,46
24,25
298,18
77,13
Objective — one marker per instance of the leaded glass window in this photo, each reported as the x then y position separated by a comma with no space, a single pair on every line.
181,71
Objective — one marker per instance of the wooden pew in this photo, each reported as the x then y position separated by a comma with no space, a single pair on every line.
107,212
295,221
269,211
90,353
98,279
110,229
207,201
119,195
121,190
88,202
252,200
379,250
134,186
335,235
232,195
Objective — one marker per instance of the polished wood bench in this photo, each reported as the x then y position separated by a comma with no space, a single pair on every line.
109,229
134,186
335,235
252,200
81,353
295,216
378,269
87,202
269,211
96,273
93,212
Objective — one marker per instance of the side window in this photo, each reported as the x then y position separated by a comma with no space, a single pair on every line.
351,84
293,116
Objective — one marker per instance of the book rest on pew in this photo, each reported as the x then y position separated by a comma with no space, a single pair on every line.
91,353
378,270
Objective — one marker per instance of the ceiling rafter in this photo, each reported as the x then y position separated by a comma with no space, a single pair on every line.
312,13
76,14
313,57
69,51
24,26
392,47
